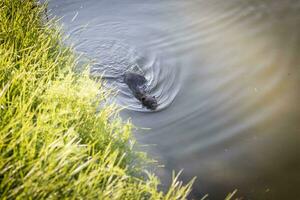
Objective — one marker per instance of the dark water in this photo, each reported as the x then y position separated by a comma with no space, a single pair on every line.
227,77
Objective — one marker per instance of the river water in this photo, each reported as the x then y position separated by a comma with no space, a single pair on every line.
227,78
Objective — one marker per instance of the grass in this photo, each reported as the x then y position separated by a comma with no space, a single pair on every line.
55,141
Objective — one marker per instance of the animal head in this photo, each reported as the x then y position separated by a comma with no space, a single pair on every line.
149,102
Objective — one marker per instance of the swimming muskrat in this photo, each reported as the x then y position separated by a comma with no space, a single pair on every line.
137,84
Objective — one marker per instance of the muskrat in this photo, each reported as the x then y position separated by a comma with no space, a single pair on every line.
137,84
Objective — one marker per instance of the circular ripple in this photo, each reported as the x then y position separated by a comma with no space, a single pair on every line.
112,58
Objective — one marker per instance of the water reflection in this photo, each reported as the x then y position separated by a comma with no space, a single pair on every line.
234,121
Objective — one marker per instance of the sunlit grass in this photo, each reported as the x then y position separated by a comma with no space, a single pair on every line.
55,141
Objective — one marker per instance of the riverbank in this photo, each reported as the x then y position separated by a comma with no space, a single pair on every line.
54,142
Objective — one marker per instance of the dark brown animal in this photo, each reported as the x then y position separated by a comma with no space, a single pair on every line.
137,84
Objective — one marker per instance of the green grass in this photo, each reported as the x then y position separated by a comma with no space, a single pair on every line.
55,141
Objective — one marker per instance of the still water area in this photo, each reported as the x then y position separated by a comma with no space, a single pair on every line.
226,75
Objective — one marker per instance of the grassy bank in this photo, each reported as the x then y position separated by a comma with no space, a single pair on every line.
53,142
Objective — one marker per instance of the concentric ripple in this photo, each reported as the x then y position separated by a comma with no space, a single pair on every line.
112,58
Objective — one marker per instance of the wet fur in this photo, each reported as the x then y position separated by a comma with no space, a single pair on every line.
137,84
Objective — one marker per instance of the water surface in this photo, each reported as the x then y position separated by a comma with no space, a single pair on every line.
226,74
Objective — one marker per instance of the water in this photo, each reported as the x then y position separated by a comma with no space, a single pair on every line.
112,58
226,74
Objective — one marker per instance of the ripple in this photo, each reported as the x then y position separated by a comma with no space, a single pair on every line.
112,58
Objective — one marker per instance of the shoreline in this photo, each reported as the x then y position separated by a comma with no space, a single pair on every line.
54,143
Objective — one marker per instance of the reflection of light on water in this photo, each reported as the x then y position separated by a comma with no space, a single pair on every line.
235,120
111,59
